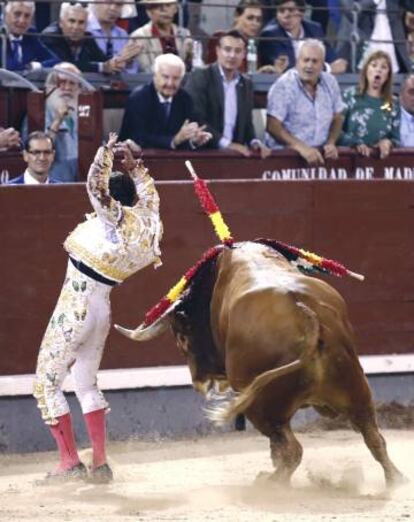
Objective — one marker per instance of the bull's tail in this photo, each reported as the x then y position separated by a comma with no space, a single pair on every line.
227,410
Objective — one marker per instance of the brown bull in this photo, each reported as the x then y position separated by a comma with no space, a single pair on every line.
282,340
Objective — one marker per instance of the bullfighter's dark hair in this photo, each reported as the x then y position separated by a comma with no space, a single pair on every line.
122,188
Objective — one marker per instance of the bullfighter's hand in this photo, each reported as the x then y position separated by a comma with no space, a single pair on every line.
242,149
330,151
311,155
364,150
128,161
385,146
112,139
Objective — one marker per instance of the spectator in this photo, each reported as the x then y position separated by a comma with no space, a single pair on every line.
283,35
9,138
304,107
407,112
61,120
160,114
409,33
379,26
160,35
247,21
223,98
70,41
38,153
24,50
371,116
112,39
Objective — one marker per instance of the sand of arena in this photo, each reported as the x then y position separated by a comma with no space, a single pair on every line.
212,479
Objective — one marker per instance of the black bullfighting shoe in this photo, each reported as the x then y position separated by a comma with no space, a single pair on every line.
101,475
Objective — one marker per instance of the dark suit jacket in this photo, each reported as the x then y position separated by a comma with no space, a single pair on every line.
269,50
365,26
20,180
32,51
206,89
144,120
89,56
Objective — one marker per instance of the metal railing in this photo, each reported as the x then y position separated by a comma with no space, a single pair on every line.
352,17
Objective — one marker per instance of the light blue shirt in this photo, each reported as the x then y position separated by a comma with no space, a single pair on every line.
406,129
119,39
230,108
65,166
308,119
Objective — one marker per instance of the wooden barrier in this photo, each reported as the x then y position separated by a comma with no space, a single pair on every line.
367,225
281,165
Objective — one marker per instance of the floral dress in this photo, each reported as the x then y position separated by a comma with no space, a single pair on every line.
369,120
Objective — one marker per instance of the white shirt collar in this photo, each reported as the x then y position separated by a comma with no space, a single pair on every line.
223,76
164,100
30,180
14,38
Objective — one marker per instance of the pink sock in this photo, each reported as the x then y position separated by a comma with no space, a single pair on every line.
95,424
65,440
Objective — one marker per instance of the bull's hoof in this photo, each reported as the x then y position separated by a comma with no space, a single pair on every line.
397,480
265,477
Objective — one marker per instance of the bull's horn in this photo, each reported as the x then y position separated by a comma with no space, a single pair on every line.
144,334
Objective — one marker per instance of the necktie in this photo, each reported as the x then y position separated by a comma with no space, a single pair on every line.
166,106
16,49
109,49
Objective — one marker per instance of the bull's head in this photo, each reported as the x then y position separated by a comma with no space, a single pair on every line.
189,318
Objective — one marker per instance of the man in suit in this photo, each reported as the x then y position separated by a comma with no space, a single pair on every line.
24,50
223,98
38,153
282,36
70,41
160,114
379,20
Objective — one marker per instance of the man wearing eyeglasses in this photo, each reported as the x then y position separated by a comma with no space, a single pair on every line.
38,153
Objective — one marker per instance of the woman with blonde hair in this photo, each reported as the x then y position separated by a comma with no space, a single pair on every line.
372,115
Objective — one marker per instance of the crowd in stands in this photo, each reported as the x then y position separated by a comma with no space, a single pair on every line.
200,97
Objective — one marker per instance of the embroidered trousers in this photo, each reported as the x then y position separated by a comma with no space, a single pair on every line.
73,342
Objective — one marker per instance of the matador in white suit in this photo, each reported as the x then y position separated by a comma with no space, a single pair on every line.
121,237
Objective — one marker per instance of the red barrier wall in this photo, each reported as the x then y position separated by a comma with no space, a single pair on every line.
367,225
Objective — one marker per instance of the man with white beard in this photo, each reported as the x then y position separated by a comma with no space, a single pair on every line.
61,121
